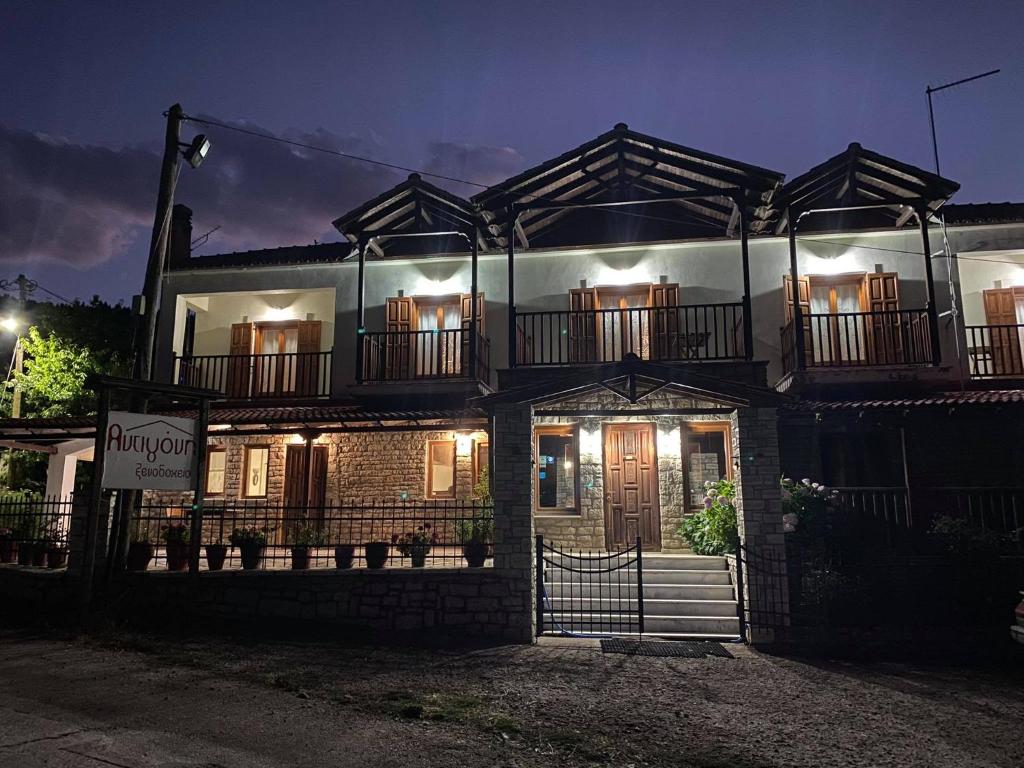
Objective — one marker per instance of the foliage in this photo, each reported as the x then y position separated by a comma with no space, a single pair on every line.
482,489
175,533
249,536
480,527
962,538
419,540
53,382
306,535
713,531
806,503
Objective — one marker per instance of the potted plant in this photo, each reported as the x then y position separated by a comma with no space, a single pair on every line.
475,535
376,553
304,537
56,555
177,537
140,552
8,546
252,543
216,554
416,544
344,554
31,551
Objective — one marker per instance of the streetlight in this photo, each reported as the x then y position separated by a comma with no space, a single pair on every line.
12,324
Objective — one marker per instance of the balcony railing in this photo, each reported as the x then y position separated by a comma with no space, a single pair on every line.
860,339
694,332
245,377
996,350
394,356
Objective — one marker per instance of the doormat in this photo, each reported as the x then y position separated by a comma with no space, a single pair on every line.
687,649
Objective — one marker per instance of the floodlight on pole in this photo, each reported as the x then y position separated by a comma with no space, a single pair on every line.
195,152
11,324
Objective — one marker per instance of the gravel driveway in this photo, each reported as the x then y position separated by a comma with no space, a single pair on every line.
141,701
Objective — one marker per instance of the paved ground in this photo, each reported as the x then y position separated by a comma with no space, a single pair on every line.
141,702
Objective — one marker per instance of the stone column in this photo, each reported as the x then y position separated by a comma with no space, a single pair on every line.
755,444
512,490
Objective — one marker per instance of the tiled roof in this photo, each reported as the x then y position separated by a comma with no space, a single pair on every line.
983,213
942,399
316,253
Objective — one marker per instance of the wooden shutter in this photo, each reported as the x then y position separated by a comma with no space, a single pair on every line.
318,483
804,287
582,325
885,334
307,361
399,351
467,316
237,384
1004,343
665,322
294,480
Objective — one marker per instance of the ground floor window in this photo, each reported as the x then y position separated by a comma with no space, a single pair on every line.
707,449
257,460
480,460
216,461
441,469
555,472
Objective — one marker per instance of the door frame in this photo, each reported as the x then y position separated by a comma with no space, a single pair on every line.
652,544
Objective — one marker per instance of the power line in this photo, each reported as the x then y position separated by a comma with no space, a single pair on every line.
44,289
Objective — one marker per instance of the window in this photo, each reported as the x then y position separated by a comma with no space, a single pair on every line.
480,460
216,462
707,455
557,459
838,331
441,469
254,485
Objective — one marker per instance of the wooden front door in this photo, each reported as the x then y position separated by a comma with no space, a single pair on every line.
295,476
631,487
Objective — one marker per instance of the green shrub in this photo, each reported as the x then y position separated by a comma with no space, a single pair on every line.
713,531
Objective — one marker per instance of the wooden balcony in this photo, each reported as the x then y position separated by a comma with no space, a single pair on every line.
686,333
860,339
996,351
397,356
282,376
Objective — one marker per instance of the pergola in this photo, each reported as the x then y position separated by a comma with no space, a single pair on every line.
863,189
659,191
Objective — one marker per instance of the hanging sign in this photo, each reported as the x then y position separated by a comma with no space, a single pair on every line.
148,451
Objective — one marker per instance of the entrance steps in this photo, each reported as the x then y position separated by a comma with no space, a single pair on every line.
685,596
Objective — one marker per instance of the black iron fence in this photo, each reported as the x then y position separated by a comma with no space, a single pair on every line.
245,377
762,588
414,355
445,533
34,531
693,332
589,593
996,350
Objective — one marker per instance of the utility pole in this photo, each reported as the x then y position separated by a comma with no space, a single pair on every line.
931,112
25,287
145,333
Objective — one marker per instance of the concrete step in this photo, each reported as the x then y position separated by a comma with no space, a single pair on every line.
717,608
657,625
651,591
651,575
684,562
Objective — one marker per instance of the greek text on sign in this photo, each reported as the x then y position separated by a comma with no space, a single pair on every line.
145,450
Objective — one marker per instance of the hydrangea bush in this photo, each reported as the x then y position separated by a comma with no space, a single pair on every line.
712,530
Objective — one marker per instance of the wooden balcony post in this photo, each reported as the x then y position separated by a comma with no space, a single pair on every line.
748,320
929,279
474,318
798,315
360,309
511,234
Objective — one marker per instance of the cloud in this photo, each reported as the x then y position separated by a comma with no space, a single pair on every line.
83,204
476,163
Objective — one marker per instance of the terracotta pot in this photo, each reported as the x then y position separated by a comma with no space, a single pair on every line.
377,554
140,553
300,558
475,553
8,550
177,556
418,555
215,556
343,556
252,555
56,557
39,554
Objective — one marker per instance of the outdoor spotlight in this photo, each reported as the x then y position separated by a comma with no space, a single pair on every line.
197,151
10,324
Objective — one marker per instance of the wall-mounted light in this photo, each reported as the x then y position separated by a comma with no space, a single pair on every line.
463,443
297,439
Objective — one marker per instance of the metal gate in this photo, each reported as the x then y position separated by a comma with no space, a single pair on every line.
591,594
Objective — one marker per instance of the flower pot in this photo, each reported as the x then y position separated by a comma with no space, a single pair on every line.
475,553
252,555
8,550
177,556
215,555
300,558
418,555
39,554
377,554
56,557
139,555
343,556
25,550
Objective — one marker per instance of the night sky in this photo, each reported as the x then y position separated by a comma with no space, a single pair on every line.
474,90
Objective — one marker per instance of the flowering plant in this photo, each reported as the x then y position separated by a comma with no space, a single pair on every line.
306,535
419,540
249,536
805,502
712,530
175,533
